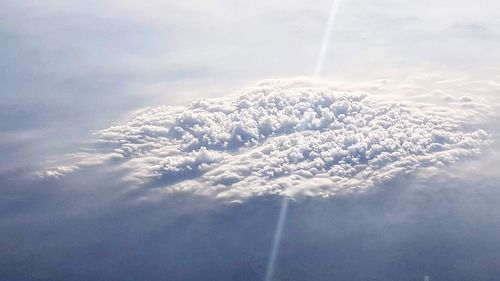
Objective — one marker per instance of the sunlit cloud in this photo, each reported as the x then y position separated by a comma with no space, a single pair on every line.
284,141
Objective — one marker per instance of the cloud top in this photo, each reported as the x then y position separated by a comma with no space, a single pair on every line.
278,140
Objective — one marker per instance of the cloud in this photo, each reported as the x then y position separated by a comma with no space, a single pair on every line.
278,139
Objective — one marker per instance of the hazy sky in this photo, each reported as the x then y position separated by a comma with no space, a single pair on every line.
69,69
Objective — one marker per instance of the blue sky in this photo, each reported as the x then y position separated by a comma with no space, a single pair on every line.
71,69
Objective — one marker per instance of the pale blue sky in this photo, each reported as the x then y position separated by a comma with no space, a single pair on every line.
70,68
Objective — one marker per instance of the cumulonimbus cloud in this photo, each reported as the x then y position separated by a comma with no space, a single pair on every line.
281,140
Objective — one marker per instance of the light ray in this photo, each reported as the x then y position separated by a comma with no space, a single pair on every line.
326,38
277,239
284,204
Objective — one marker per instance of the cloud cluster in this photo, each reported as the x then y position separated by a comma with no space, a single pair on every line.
278,140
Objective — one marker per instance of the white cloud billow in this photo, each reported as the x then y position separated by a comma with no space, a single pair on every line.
277,140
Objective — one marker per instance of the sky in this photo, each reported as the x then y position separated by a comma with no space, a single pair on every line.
155,141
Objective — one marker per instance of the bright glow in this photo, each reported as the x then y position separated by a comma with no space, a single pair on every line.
326,38
277,239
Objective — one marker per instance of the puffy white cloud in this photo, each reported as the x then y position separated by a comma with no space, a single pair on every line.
283,140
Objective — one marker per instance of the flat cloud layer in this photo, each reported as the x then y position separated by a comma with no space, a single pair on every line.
281,140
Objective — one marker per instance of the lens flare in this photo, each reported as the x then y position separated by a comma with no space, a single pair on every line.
326,38
277,239
284,204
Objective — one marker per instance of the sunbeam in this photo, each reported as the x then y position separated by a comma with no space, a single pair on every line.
326,38
277,239
284,205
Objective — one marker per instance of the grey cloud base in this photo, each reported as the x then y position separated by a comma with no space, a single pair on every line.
283,141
